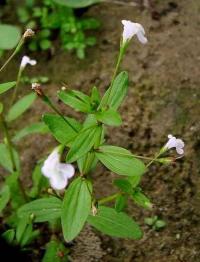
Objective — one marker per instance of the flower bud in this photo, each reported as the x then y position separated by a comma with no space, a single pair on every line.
28,33
166,160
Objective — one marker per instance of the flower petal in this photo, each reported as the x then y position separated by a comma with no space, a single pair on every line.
131,29
180,151
58,181
141,37
26,60
32,62
49,167
66,169
171,143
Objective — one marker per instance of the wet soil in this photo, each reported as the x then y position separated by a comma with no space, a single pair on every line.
164,98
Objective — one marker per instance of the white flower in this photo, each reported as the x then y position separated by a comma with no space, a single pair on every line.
131,29
57,172
26,60
176,143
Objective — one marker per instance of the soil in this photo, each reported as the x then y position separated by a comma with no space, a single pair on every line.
164,98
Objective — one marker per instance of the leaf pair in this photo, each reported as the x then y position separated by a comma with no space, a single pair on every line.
136,194
76,210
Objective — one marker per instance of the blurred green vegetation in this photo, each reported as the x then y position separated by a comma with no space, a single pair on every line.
53,21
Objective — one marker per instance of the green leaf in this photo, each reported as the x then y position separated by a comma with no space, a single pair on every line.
45,44
76,100
9,235
16,196
29,235
140,199
29,130
77,3
115,224
4,197
84,141
60,129
87,163
9,35
123,185
21,227
121,202
76,207
160,224
5,160
20,107
6,86
95,97
44,209
134,180
55,252
120,161
150,221
115,94
109,117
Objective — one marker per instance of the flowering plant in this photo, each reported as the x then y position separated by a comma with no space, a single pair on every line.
86,145
71,201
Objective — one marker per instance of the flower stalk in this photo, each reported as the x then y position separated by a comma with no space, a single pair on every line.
9,143
28,33
37,88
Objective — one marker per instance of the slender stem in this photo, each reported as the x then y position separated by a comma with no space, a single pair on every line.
16,87
119,60
21,42
9,143
154,159
108,198
50,103
143,157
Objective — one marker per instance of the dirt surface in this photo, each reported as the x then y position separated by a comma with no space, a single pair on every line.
163,98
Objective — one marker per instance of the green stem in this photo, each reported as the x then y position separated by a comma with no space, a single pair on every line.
154,159
108,198
119,60
21,42
50,103
9,143
16,87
